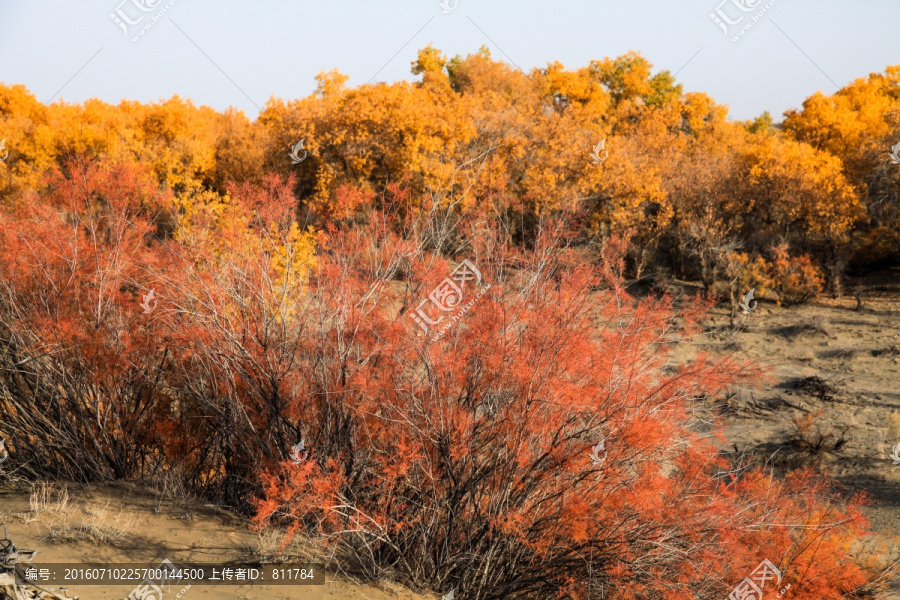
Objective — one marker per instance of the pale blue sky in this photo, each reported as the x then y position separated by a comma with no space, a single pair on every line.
276,47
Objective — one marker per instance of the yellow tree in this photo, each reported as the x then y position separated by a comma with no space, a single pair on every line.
795,192
859,124
29,140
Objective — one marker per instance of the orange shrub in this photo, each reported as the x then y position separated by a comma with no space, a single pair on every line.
467,462
791,280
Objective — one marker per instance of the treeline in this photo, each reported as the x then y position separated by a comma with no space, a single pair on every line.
785,208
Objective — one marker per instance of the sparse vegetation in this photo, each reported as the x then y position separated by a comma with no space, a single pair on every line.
48,502
806,327
817,387
272,545
53,510
810,434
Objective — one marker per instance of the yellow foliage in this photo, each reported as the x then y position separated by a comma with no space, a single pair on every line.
796,185
477,134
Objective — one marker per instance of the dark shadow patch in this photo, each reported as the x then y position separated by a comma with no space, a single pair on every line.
808,327
814,386
841,353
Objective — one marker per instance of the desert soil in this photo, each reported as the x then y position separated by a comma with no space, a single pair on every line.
835,362
152,528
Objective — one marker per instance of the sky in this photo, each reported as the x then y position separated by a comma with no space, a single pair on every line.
225,53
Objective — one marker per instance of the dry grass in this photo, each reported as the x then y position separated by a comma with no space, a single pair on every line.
53,509
171,490
269,547
103,526
48,503
811,435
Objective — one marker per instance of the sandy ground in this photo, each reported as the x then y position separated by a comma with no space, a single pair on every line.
149,530
837,364
831,362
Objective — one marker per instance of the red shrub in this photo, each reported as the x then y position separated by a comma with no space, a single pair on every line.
465,463
79,364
